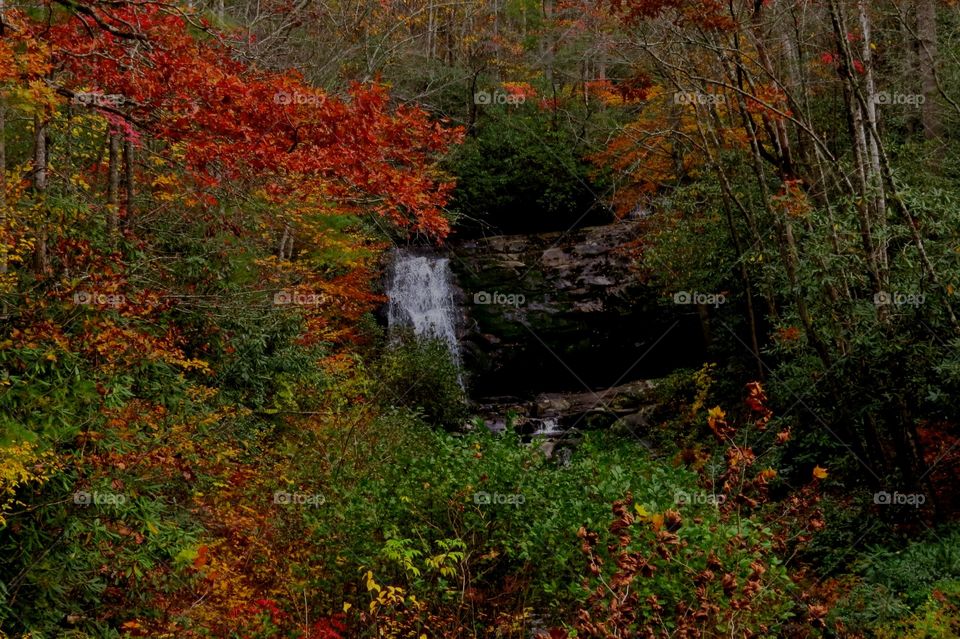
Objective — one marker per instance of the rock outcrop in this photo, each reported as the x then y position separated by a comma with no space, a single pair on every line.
564,311
559,418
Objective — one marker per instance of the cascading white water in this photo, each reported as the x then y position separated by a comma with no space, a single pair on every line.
420,297
547,427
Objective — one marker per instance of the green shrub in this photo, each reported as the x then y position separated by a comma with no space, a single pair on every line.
421,374
518,161
410,504
909,589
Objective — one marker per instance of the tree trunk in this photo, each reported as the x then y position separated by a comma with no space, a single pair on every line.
927,36
704,315
548,49
3,150
39,154
472,121
285,248
3,178
113,185
41,260
861,155
786,242
876,179
128,180
431,25
907,63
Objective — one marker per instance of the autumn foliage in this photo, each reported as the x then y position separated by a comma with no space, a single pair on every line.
145,159
205,432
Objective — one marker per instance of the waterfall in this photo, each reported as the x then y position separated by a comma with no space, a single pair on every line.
420,295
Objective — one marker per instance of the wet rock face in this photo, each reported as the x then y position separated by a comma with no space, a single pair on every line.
563,416
564,312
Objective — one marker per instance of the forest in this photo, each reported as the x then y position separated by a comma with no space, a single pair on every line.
521,319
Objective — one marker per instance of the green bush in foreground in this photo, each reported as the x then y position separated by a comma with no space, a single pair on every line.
421,374
913,592
482,525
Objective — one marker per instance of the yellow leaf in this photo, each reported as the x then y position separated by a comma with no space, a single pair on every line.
347,606
641,511
656,521
819,473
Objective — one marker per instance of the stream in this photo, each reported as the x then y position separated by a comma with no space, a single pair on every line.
581,289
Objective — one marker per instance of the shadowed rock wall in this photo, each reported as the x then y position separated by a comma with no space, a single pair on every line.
564,312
